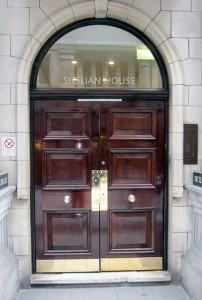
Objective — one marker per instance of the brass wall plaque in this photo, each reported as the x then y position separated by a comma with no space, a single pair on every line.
190,153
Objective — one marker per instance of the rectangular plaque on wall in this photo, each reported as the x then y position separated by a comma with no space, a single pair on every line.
190,144
3,180
197,178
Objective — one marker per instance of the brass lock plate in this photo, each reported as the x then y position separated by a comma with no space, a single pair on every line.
103,190
99,191
95,190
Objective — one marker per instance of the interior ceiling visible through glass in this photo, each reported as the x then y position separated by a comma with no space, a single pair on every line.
99,56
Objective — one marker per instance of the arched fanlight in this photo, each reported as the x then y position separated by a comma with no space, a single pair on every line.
99,55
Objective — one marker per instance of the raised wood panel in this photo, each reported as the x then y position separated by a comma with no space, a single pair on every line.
54,200
72,124
132,231
67,232
132,168
66,169
132,124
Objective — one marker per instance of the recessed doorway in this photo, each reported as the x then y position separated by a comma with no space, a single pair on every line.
99,152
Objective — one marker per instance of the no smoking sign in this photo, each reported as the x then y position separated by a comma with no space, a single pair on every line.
8,146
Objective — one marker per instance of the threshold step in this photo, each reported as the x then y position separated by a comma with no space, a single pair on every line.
101,278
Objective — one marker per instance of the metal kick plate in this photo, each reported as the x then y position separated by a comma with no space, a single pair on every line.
131,264
96,265
67,265
99,191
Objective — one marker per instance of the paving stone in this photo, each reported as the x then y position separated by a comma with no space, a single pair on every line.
153,292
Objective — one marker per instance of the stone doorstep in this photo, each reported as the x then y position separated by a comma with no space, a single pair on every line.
101,278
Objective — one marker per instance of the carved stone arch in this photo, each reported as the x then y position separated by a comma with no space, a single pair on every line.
89,9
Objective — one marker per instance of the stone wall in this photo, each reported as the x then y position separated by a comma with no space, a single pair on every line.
175,27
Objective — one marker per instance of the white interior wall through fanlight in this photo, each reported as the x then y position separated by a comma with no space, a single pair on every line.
97,35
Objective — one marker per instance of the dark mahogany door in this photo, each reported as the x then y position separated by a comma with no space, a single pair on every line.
125,140
132,145
66,150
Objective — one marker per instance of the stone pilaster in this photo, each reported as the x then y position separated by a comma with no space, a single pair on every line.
192,261
9,268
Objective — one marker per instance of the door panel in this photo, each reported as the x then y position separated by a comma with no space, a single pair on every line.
131,230
66,169
72,124
139,125
99,185
132,168
67,231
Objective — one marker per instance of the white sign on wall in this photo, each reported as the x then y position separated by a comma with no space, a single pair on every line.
8,146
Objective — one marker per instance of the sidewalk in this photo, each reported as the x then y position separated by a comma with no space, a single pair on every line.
153,292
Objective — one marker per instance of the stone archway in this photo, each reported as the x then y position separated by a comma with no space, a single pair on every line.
90,10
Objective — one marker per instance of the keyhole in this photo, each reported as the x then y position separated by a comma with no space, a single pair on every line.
96,180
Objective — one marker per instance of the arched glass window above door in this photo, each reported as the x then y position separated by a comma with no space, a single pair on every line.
99,56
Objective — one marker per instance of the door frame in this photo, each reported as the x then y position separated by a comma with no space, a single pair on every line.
129,94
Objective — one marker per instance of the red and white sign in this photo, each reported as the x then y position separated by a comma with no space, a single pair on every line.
8,146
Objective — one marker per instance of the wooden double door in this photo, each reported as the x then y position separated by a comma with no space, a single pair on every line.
99,185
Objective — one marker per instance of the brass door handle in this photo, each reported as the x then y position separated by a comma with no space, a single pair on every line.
131,198
67,199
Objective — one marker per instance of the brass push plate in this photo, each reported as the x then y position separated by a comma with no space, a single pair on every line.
99,192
